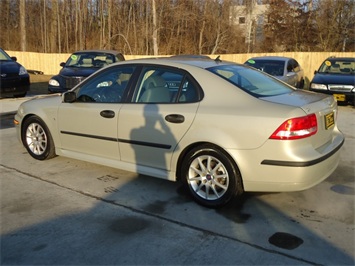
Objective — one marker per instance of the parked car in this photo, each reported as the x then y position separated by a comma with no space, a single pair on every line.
220,127
336,76
80,65
284,68
15,81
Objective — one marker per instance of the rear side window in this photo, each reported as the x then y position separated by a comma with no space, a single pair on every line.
165,85
251,81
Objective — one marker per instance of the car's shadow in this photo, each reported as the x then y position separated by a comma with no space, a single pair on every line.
87,210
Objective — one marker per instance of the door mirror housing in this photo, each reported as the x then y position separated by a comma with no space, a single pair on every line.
69,97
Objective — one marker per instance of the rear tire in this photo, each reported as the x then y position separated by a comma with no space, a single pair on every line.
37,139
211,176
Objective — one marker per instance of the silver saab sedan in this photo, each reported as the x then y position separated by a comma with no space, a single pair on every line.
220,127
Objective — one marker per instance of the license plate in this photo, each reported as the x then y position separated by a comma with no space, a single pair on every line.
339,97
329,120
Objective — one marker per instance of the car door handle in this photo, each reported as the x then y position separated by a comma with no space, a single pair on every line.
107,114
175,118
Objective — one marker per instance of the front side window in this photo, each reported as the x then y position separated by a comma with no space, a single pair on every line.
251,81
292,66
107,87
289,67
296,66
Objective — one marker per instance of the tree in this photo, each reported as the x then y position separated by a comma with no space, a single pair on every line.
155,29
176,26
23,24
335,24
284,26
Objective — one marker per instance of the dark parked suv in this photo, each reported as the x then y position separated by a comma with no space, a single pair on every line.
336,76
79,66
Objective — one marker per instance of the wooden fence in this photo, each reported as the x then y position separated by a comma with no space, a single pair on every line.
49,63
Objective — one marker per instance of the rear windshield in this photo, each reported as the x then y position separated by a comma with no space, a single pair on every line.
251,81
338,66
272,67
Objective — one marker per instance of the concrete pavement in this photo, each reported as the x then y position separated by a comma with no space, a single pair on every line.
10,105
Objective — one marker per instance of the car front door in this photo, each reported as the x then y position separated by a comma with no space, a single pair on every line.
292,76
163,107
89,124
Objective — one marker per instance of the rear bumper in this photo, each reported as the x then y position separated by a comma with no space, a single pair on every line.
302,164
271,175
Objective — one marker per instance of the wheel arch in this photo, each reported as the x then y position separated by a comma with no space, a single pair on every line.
38,140
188,148
45,122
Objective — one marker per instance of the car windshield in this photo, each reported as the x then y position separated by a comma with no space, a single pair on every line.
338,66
90,60
251,81
272,67
4,56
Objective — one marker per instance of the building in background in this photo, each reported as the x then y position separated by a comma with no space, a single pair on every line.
250,16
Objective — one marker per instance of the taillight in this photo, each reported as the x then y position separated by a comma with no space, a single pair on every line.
297,128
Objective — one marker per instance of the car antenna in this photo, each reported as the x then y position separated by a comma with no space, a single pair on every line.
217,59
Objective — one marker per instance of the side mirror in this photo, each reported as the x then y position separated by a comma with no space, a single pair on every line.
69,97
14,58
290,74
315,72
62,64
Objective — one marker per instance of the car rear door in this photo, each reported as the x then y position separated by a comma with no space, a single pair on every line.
150,127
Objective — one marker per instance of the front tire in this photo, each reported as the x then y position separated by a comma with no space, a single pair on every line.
37,139
211,176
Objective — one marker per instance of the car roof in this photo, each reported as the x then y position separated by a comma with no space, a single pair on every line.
190,56
279,58
340,59
201,62
97,51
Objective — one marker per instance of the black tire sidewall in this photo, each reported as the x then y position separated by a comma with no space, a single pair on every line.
49,151
233,174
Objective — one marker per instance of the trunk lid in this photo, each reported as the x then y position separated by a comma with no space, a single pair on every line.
324,106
